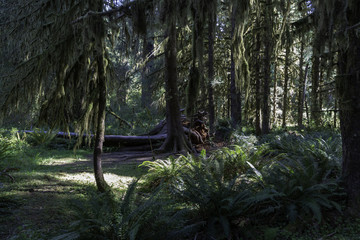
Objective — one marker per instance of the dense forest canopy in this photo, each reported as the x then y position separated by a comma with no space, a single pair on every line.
247,63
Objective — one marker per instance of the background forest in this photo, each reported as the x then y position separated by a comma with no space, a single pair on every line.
277,154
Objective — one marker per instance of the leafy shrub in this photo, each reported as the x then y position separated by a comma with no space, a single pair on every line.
40,137
103,216
219,203
166,171
298,189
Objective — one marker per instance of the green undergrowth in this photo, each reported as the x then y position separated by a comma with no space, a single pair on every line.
285,185
40,181
281,186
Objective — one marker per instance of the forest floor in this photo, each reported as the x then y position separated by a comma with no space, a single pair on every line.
37,205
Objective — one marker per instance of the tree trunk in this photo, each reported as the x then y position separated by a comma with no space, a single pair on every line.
314,107
211,30
301,86
348,88
148,47
98,32
235,95
286,83
274,95
176,140
257,86
267,65
196,71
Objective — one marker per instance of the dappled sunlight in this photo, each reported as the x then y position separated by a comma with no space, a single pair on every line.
88,178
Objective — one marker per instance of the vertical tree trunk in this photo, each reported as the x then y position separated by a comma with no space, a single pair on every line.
196,70
257,86
148,47
176,140
267,65
348,88
314,107
211,30
235,95
98,33
274,95
301,86
286,83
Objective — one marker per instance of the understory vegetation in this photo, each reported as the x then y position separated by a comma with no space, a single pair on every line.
285,185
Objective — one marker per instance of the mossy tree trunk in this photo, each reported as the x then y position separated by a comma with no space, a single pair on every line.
98,35
211,72
176,140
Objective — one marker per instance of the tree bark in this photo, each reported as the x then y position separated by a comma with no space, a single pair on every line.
98,32
257,86
286,83
235,95
176,140
211,30
267,65
196,71
148,47
315,104
301,86
348,88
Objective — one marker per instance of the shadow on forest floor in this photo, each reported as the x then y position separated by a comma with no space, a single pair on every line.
37,204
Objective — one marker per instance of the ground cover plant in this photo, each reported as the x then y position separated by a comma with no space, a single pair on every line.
270,191
282,186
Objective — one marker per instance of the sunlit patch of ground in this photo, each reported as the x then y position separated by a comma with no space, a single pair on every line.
88,178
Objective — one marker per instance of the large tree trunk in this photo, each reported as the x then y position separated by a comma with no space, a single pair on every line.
348,88
196,71
98,32
176,140
267,65
212,23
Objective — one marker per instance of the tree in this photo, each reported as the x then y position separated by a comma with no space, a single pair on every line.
176,140
62,65
348,88
268,45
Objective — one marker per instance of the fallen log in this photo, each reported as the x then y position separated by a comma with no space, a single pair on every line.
116,140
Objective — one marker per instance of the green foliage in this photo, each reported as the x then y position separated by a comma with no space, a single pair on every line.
162,171
216,200
104,216
40,137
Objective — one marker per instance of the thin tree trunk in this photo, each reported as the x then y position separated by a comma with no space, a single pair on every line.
286,83
98,32
315,108
301,86
99,138
257,86
148,47
274,96
211,30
